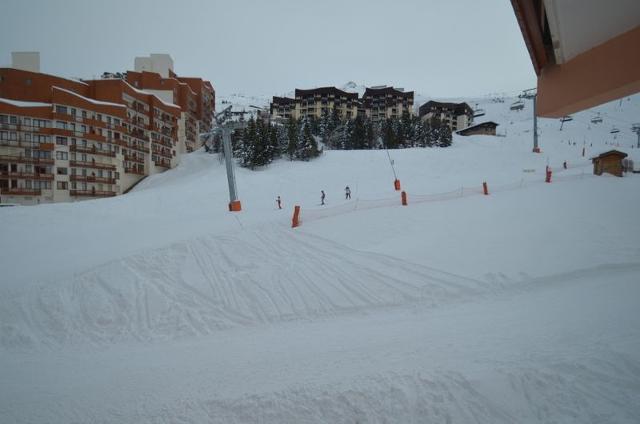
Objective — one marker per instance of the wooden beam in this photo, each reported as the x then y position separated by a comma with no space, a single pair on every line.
606,72
530,21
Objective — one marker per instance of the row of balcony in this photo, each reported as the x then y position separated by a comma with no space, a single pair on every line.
92,179
93,164
164,163
21,191
25,175
92,150
92,193
132,158
24,159
134,171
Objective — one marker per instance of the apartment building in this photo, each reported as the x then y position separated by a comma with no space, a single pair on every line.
173,91
64,140
456,115
377,103
380,103
284,108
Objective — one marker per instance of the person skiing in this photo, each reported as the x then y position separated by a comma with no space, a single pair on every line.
279,202
564,164
322,196
347,193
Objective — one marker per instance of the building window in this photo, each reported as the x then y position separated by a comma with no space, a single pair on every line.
62,171
62,185
62,155
61,141
61,109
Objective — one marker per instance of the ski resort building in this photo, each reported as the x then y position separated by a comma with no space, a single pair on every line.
483,128
377,103
65,140
283,107
322,101
195,97
381,103
455,115
609,162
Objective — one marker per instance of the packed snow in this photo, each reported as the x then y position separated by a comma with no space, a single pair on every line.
160,306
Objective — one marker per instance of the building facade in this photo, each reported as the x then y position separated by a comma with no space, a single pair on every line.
195,117
382,103
67,140
456,115
376,103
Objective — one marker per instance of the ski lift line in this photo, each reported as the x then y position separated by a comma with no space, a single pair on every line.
395,177
620,134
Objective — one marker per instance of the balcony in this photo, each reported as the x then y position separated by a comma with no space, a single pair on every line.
92,164
92,179
8,175
134,171
132,158
21,191
23,159
92,150
93,193
162,163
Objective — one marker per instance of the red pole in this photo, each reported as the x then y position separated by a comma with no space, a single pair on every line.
295,221
403,196
485,188
548,179
396,184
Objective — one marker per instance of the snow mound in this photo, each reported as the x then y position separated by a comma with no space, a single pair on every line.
211,283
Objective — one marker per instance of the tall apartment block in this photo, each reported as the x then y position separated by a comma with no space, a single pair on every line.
382,103
377,103
455,115
64,140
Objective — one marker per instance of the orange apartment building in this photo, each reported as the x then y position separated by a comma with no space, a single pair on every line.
67,140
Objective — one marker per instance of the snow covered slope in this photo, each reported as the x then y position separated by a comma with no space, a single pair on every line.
161,306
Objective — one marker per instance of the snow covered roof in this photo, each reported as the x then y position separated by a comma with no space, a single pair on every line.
148,93
90,100
20,103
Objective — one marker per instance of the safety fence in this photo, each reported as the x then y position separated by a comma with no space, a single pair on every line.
314,214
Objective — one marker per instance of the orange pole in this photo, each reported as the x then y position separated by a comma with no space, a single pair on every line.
396,184
403,195
235,206
485,188
548,179
295,221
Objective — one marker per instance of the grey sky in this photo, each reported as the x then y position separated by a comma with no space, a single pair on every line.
443,48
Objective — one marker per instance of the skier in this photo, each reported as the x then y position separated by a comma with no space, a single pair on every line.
322,196
347,193
279,202
564,164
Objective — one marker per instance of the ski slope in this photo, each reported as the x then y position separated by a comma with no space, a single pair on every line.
160,306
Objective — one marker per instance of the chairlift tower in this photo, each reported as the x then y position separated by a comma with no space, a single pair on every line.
536,148
224,126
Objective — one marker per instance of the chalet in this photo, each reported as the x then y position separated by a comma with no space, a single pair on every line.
609,162
483,128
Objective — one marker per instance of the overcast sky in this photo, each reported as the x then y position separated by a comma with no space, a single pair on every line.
441,48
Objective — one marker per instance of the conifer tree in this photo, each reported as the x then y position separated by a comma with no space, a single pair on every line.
292,138
308,148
